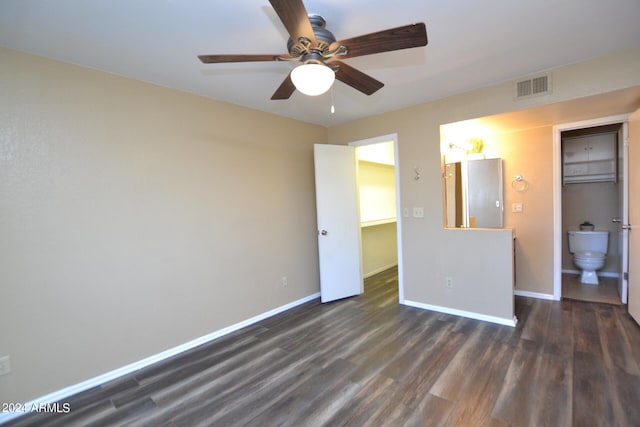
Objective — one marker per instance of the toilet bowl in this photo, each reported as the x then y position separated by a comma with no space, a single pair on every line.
589,249
589,262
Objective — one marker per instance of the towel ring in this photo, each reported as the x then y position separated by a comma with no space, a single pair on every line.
519,184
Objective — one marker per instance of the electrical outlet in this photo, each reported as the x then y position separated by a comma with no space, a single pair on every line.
284,281
5,365
448,282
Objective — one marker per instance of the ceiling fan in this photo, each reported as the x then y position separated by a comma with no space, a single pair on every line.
317,49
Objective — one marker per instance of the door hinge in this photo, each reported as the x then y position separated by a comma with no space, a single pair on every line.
625,275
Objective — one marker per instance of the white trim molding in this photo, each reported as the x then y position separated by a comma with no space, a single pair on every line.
469,314
537,295
557,189
380,270
612,274
64,393
375,140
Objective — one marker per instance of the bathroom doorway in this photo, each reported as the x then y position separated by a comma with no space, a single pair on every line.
379,206
590,189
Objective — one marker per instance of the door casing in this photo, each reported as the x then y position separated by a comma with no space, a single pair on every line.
557,190
376,140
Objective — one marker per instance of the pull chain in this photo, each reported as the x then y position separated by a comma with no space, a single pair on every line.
333,108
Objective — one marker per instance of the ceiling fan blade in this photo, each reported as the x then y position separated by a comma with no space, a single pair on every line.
294,16
285,90
356,78
405,37
216,59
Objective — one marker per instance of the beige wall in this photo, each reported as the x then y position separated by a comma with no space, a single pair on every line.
135,218
428,249
379,248
377,191
529,153
129,210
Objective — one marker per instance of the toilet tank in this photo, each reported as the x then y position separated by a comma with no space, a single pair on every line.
588,241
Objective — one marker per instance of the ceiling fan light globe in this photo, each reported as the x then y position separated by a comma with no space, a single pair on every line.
313,79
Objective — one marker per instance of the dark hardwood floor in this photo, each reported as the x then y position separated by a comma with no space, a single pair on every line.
369,361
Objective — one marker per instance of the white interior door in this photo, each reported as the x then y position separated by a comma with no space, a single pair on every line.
633,281
623,211
338,222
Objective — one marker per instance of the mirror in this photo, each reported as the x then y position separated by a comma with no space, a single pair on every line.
473,194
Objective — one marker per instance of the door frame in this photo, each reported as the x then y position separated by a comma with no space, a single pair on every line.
557,188
376,140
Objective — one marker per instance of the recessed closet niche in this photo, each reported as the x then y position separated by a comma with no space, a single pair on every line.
378,221
590,188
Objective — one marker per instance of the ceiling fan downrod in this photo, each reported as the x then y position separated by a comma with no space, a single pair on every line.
324,38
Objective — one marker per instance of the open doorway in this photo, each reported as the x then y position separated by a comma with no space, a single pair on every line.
591,199
379,208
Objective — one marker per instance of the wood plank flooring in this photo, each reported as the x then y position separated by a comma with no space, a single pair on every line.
367,361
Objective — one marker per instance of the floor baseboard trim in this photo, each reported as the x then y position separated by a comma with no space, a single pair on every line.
379,270
537,295
599,273
66,392
463,313
608,274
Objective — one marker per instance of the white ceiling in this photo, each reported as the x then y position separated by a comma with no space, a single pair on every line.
471,44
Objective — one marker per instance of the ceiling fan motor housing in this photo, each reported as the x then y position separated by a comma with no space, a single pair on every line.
324,38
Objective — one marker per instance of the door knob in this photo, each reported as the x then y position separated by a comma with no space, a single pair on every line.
617,220
323,232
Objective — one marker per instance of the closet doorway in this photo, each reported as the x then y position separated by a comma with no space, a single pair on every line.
379,201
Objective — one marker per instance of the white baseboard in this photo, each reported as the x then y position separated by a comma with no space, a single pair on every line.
608,274
529,294
600,273
493,319
59,395
379,270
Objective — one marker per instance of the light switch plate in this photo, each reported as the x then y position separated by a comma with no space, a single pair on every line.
418,212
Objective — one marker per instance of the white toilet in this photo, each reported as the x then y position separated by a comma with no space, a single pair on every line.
589,249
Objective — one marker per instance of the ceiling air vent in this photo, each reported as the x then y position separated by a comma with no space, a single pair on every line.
534,86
